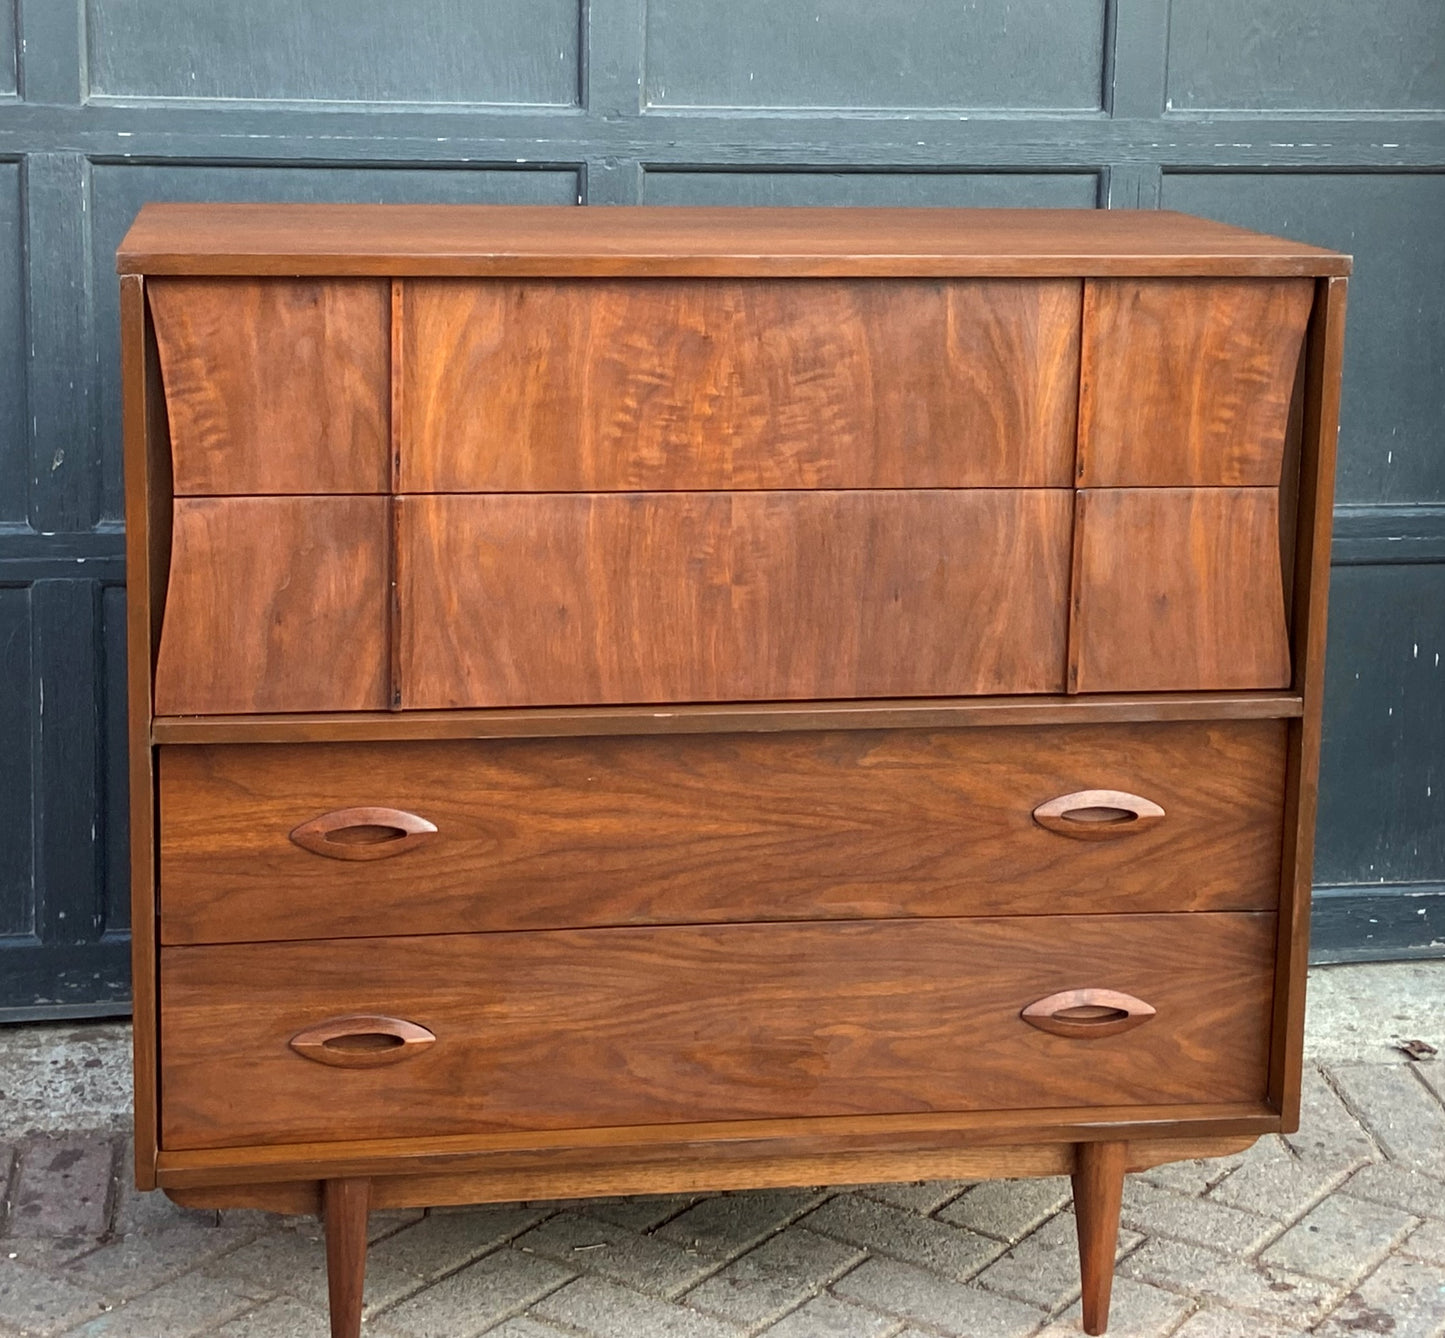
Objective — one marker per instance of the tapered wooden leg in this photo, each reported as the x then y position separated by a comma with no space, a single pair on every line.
1098,1190
344,1205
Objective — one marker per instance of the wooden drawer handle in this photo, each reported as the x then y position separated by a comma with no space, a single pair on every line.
1087,1014
363,833
1098,815
362,1042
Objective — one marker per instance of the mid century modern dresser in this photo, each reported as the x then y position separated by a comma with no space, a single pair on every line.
640,700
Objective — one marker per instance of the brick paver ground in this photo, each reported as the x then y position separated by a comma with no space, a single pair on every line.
1337,1231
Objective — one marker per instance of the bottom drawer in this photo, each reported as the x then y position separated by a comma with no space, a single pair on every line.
595,1027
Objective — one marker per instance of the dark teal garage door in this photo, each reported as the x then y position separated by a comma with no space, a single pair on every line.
1321,119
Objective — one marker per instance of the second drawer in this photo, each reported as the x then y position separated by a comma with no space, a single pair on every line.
263,842
475,1033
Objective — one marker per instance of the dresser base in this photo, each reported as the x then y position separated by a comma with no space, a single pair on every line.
1097,1170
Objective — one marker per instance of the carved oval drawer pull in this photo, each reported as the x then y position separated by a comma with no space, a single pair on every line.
1087,1014
362,1042
363,833
1098,815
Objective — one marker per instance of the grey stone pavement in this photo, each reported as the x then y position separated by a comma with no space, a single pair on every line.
1337,1231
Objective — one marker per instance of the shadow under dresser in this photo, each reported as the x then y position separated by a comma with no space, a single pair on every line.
642,700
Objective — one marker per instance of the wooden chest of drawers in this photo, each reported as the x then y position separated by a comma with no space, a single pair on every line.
634,700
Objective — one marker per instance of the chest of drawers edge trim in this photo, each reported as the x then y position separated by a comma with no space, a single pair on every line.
147,469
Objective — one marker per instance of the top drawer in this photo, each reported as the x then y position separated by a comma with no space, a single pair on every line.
1189,382
297,386
283,386
597,385
277,386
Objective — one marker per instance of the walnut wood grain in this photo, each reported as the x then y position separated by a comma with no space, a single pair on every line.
558,833
1177,589
1188,382
276,385
593,385
646,242
397,380
709,1022
275,604
666,597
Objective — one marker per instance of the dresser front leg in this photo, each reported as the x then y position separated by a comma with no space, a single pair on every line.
344,1207
1098,1192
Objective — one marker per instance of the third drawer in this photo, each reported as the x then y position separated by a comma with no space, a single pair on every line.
279,841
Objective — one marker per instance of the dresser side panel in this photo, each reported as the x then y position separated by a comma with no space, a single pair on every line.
1323,370
147,505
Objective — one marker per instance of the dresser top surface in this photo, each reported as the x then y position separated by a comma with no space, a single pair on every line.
323,239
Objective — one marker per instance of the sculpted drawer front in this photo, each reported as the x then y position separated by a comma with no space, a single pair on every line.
1189,399
276,385
1177,589
548,599
263,842
1189,382
595,385
512,600
396,1037
275,604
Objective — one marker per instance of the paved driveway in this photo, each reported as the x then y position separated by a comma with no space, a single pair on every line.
1338,1230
